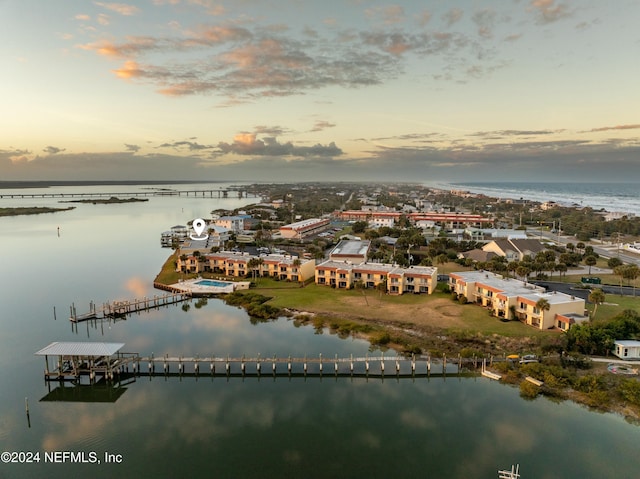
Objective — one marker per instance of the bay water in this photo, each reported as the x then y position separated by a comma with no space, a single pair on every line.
454,427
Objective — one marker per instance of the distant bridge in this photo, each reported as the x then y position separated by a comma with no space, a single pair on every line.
212,193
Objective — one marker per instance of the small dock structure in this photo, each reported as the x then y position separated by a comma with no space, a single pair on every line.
514,473
489,374
115,309
75,359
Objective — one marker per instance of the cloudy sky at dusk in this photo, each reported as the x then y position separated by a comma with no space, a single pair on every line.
281,90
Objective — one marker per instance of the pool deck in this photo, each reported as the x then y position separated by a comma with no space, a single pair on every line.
191,286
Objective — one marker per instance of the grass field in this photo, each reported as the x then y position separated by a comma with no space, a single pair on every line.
436,312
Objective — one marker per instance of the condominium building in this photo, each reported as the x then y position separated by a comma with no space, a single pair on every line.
303,228
507,298
354,251
447,220
283,267
235,224
395,279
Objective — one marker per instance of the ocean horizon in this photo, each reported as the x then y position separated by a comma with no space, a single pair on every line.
609,196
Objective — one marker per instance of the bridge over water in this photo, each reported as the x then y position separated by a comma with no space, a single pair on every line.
209,193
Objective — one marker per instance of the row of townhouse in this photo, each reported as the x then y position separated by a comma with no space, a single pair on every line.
397,280
303,228
389,218
504,296
283,267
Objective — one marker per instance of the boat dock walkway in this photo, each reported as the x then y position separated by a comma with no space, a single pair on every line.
116,309
125,365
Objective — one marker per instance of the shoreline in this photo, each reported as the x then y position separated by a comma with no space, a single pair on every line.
406,337
539,192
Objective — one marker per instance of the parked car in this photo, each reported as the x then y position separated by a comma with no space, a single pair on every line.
529,358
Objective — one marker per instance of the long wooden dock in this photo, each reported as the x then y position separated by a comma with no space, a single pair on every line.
116,309
210,193
126,365
100,360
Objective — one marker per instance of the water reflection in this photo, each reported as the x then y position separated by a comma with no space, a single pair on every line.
248,427
101,392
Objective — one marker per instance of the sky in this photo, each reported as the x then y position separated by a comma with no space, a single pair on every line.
305,90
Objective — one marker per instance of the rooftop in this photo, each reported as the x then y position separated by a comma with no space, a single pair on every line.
80,349
351,248
510,287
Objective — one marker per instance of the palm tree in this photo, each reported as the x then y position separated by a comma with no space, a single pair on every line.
596,297
442,258
513,266
543,305
253,264
632,273
561,268
590,261
619,270
523,271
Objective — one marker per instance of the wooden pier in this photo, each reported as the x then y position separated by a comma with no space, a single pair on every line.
211,193
117,309
120,366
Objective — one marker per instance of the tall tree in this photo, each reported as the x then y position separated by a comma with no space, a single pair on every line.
613,262
543,305
523,272
590,261
596,297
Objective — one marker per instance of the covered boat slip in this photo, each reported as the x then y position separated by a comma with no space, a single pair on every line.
75,359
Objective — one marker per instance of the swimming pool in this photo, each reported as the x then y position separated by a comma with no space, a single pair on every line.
212,282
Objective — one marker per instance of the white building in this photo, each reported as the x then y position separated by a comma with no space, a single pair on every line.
627,349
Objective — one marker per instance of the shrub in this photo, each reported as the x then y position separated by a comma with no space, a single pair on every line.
470,352
588,383
529,390
412,349
318,321
630,391
597,398
380,338
462,299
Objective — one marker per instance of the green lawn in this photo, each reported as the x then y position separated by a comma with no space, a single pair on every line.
380,308
615,304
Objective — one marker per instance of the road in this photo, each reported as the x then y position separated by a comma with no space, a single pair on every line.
571,289
607,253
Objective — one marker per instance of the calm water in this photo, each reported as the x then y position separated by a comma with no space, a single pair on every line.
453,428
